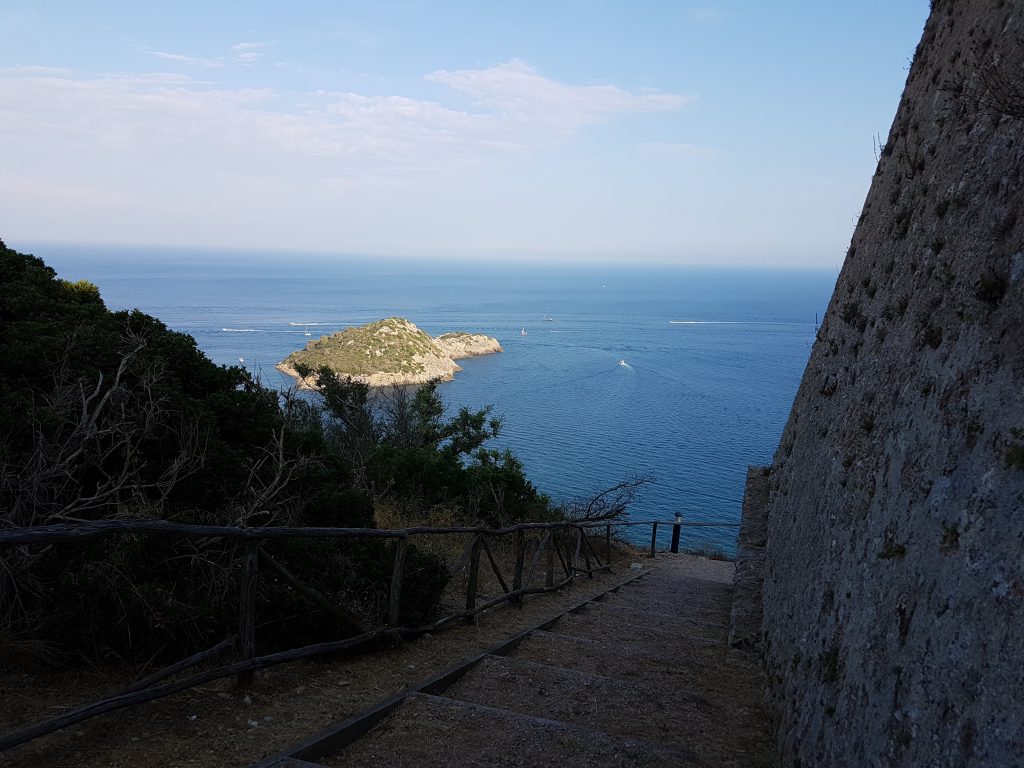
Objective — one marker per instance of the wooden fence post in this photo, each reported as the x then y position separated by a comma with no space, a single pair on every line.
397,572
565,562
517,576
247,608
654,536
583,547
471,583
549,572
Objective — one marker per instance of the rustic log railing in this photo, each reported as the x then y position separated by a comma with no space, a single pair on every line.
556,543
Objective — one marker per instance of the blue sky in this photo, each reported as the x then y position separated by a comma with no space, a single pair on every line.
719,133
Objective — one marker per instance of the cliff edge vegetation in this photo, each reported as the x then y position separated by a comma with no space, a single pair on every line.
112,415
388,352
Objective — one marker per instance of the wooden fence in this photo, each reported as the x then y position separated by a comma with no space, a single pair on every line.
567,548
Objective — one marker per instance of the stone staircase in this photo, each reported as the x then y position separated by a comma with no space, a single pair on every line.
641,677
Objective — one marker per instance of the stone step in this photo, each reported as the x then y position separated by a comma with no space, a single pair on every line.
601,656
665,644
613,705
668,589
707,616
719,722
675,600
433,731
707,624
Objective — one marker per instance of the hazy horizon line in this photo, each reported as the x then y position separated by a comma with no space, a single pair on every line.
479,259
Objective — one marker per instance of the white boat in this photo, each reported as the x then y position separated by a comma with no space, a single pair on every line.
522,331
623,362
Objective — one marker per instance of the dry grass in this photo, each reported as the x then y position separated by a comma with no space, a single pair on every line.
453,551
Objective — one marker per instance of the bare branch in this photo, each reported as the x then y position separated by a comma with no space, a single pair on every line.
609,504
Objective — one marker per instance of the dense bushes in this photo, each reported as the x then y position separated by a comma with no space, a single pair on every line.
111,414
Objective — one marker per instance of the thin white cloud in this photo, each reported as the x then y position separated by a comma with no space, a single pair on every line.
181,57
159,116
516,91
249,52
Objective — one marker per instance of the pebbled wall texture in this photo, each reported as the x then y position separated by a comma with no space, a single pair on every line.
894,567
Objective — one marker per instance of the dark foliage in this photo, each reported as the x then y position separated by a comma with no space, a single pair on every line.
111,414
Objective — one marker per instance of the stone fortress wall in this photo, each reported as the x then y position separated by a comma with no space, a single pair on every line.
893,605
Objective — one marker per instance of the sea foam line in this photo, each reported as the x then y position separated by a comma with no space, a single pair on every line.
241,330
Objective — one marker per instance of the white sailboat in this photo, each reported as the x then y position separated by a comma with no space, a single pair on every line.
522,331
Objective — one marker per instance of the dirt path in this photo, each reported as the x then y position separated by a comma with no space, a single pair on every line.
644,677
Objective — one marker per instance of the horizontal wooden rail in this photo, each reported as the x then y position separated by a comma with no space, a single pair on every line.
64,532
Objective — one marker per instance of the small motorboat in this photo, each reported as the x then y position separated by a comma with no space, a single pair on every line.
522,331
623,362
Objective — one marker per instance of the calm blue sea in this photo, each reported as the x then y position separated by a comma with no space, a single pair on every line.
713,357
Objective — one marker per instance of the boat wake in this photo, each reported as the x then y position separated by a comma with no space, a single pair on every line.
240,330
726,322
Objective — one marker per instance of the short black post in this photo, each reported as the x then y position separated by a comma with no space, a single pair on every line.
654,536
675,533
